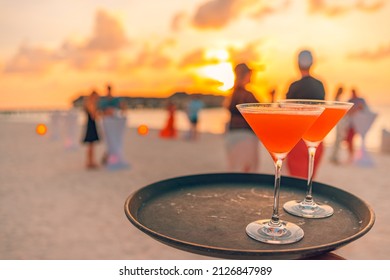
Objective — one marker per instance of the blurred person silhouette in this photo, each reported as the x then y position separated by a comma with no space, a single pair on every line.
307,87
241,143
272,94
360,105
114,122
169,130
91,132
110,105
341,129
194,106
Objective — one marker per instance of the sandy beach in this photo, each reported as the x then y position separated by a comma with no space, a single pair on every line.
51,207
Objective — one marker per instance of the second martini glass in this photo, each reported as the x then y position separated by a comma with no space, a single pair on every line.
279,127
333,113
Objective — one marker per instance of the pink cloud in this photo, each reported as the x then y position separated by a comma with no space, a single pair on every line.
148,58
31,59
192,59
247,54
107,38
216,14
178,21
262,9
78,57
153,56
335,8
196,58
108,34
380,53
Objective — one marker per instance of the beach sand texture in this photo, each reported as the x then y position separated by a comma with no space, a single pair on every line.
51,207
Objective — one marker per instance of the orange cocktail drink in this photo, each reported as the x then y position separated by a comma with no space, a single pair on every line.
279,131
333,113
324,124
279,127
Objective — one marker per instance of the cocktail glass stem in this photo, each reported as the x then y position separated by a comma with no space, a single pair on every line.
275,214
309,198
308,208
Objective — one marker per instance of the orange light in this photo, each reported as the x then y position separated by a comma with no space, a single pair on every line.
41,129
143,130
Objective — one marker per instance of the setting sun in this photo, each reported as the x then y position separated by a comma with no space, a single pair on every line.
221,72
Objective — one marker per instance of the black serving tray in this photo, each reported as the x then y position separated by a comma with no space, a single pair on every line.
207,214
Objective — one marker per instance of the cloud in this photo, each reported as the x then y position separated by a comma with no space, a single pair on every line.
247,54
197,58
148,58
108,37
335,8
261,9
178,21
31,59
216,14
380,53
108,34
154,56
78,57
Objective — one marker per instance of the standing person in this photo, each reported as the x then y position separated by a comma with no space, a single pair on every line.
341,128
272,94
91,133
169,130
114,124
110,105
307,87
193,109
242,145
359,105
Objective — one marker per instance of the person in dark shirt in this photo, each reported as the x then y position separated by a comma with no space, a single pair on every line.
242,145
307,87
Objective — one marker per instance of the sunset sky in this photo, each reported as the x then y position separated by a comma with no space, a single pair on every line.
51,51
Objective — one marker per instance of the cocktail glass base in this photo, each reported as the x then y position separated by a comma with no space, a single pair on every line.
284,233
308,210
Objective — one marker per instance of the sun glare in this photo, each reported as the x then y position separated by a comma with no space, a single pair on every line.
221,72
219,54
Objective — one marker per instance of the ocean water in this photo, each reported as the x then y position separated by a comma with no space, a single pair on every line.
210,121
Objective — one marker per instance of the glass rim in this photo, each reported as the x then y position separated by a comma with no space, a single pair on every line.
275,107
319,102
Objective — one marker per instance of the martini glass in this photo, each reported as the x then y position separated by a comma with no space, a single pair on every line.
279,127
333,113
